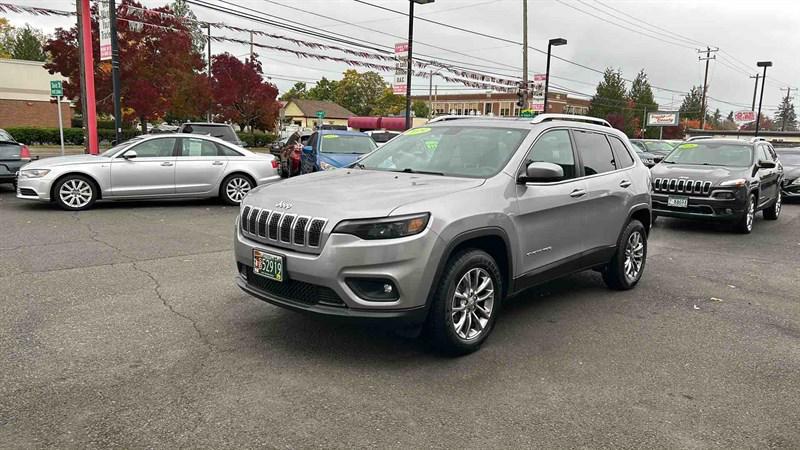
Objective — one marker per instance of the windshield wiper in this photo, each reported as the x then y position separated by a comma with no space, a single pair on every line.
359,165
424,172
668,162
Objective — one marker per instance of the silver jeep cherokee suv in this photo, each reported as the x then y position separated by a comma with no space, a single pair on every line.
441,224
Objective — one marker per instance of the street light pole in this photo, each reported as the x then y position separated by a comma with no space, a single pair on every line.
551,43
115,83
409,61
763,64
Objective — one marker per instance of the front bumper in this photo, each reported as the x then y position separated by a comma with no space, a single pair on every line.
701,208
789,190
34,188
316,282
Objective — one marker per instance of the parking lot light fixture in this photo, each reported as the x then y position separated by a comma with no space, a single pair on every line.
551,43
763,64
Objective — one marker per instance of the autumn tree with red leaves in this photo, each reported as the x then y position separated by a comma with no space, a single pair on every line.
240,93
159,66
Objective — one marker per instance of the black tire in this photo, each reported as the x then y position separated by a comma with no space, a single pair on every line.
618,274
774,211
744,224
440,325
75,193
234,188
653,219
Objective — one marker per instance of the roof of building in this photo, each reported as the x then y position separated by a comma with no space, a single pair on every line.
25,80
332,110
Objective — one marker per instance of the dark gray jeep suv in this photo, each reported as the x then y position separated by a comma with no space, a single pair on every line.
443,222
719,179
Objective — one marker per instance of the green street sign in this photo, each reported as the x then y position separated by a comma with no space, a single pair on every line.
528,113
56,90
320,114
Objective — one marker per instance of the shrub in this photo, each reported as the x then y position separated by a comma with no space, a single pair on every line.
257,139
72,136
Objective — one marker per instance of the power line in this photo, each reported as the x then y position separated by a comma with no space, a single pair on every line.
672,33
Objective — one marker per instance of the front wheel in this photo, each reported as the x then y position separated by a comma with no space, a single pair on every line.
745,224
626,267
75,193
466,303
234,188
774,211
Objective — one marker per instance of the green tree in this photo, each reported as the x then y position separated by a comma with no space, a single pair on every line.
610,100
27,44
6,35
389,104
641,95
325,89
360,92
183,10
420,108
692,104
785,117
298,91
716,119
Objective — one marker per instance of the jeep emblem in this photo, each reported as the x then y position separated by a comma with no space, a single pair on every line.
283,205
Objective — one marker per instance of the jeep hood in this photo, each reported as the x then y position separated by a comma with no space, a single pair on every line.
714,174
354,193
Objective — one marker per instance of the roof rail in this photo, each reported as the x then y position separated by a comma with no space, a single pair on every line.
698,138
576,118
459,117
758,139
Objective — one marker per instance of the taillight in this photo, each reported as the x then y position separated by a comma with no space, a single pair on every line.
274,163
25,153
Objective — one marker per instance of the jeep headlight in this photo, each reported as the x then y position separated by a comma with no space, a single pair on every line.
384,228
325,166
739,182
33,173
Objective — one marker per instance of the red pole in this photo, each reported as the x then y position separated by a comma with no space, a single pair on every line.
88,75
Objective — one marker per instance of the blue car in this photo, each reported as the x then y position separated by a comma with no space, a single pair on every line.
332,149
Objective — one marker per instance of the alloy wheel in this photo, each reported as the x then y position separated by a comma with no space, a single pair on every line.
75,193
751,213
634,256
237,188
778,205
472,303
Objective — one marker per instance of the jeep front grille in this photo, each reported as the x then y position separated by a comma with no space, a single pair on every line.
280,228
681,186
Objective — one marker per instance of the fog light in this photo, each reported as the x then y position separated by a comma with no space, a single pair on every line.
728,211
373,289
724,195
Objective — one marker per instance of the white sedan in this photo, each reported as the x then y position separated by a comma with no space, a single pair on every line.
161,166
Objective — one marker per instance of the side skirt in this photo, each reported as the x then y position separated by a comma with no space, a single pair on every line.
588,259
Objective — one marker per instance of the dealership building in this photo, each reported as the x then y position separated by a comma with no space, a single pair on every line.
499,103
25,95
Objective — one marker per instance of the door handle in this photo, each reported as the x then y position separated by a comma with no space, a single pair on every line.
216,163
624,183
577,193
166,163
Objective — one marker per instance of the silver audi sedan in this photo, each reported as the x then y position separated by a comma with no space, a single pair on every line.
162,166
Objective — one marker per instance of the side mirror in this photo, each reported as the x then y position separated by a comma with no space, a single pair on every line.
130,154
766,165
542,172
308,149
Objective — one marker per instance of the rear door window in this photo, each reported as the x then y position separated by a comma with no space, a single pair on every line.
197,147
595,152
623,156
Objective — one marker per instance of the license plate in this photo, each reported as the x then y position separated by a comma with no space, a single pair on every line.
268,265
678,202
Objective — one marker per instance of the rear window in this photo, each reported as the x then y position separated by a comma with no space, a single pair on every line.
624,158
342,143
223,132
381,138
4,136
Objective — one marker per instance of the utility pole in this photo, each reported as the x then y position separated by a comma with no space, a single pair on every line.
252,55
115,83
707,58
82,82
755,91
788,92
208,30
525,53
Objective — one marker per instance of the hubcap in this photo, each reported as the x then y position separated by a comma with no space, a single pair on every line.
751,212
634,256
778,205
237,188
472,303
75,193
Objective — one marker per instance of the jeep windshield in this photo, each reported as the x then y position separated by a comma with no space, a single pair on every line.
344,143
474,152
711,153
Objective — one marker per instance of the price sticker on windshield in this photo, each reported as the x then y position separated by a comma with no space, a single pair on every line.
416,131
687,146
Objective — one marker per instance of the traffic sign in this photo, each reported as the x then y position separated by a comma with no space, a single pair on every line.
56,90
320,114
527,113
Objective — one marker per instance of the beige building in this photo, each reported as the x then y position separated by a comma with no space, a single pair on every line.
25,96
303,113
499,103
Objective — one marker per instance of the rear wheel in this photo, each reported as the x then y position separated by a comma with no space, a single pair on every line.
626,267
235,187
75,193
774,211
466,304
745,224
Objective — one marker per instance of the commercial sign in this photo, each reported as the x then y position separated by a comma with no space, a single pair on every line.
105,30
401,52
537,86
743,117
663,119
537,104
56,90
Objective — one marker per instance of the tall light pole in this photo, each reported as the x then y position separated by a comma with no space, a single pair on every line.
430,91
763,64
551,43
409,62
525,85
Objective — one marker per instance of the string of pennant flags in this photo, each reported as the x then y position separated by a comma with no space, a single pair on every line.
460,76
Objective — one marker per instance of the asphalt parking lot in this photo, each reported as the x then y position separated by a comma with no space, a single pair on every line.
122,327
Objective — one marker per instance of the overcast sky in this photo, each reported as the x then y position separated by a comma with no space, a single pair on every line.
745,31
